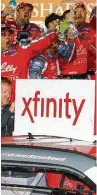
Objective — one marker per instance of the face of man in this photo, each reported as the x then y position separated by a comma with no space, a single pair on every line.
80,15
24,14
54,24
5,93
5,39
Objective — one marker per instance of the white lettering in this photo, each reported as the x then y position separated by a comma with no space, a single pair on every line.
8,68
50,9
68,6
35,11
81,50
33,156
59,10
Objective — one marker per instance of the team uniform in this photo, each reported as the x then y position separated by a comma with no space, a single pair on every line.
89,34
32,28
52,71
84,56
15,61
44,66
25,26
77,66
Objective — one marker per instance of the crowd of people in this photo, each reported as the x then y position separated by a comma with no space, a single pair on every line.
66,50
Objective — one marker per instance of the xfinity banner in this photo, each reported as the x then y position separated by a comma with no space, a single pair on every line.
62,108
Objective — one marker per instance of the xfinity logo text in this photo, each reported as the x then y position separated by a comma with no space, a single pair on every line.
61,107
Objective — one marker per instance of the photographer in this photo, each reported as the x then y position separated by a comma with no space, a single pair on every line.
7,109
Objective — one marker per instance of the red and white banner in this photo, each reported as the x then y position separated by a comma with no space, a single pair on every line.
62,108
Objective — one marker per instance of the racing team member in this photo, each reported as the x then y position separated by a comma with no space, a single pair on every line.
79,65
52,21
15,60
47,65
88,33
22,22
92,59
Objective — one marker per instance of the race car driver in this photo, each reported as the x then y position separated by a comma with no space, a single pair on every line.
15,60
22,22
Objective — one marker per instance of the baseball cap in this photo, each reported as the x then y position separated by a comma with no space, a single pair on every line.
5,28
23,4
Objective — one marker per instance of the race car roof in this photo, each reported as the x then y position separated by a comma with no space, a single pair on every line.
51,153
51,142
51,157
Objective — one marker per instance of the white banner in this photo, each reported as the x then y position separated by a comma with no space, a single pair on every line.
62,108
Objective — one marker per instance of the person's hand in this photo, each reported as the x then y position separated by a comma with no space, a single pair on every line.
7,10
12,107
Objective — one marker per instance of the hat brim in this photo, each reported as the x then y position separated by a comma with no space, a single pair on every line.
25,5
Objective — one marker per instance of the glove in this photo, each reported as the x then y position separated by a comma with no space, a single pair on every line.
66,50
36,67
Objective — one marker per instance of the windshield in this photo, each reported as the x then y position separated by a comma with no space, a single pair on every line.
26,180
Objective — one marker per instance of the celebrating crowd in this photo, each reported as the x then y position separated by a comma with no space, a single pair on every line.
66,50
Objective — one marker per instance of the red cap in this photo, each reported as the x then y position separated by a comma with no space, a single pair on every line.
22,5
5,28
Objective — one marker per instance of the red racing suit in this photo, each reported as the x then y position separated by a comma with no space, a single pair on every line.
30,27
78,63
15,62
52,70
89,34
84,58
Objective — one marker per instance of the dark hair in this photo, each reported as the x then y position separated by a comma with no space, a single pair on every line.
5,80
50,18
64,14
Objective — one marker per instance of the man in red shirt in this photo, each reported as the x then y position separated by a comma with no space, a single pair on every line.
88,33
22,22
84,46
15,60
47,65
